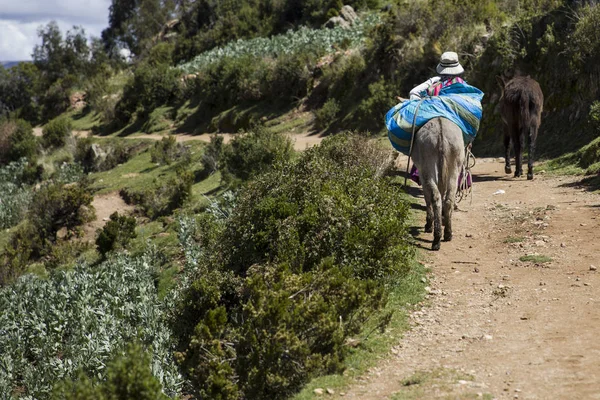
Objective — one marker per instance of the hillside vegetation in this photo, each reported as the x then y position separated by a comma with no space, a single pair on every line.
246,269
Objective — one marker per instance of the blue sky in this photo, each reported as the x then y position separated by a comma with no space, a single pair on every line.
20,20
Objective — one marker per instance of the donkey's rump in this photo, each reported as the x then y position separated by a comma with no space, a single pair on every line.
438,153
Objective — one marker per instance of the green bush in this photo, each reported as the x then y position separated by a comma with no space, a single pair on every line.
341,76
163,198
15,195
213,154
255,152
303,259
65,254
167,150
290,79
231,81
150,88
371,108
55,100
116,234
103,93
53,207
56,132
585,39
22,245
17,141
96,157
295,204
128,377
327,114
160,54
160,119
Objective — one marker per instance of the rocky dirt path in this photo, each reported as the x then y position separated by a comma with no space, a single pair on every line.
301,141
508,328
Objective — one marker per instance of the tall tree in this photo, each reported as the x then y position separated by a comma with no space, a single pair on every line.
57,58
133,24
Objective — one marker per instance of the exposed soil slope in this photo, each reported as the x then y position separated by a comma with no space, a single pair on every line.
105,205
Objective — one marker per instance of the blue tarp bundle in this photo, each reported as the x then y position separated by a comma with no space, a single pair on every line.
460,103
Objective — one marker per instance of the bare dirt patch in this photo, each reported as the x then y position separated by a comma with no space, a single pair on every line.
301,141
105,205
497,310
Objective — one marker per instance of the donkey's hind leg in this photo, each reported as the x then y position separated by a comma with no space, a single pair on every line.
435,207
531,140
448,205
507,168
519,143
427,193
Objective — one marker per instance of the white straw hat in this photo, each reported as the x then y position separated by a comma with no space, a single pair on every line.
449,64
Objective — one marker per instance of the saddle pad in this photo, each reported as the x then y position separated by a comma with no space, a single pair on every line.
459,103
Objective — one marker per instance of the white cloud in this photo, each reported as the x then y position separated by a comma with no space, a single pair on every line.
20,20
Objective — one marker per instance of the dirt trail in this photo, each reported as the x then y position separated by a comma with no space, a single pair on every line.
302,141
516,329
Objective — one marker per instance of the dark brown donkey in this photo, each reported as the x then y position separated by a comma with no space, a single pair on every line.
521,106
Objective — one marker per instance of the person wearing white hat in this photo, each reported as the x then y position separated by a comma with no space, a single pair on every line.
449,70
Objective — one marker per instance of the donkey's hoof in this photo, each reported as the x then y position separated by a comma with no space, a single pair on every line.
447,237
507,170
529,176
518,174
435,246
428,228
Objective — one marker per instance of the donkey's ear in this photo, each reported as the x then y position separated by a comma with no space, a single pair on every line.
500,81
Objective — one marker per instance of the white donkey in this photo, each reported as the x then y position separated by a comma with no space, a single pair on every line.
439,153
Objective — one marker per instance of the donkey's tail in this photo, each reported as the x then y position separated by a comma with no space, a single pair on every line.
524,104
442,174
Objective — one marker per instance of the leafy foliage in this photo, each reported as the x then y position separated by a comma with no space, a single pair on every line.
14,194
133,24
17,141
53,207
213,154
280,281
304,39
208,24
151,87
56,132
128,376
19,88
165,197
57,57
167,150
68,172
256,151
326,115
116,234
585,37
75,321
96,157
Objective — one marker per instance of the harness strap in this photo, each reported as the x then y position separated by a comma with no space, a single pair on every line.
412,141
464,190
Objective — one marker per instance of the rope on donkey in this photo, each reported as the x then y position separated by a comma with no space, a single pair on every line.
465,187
412,141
